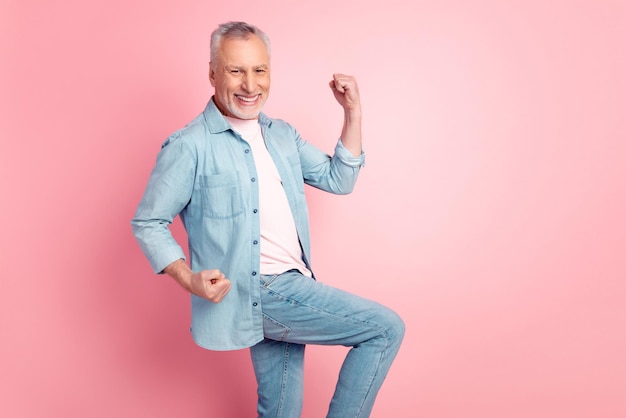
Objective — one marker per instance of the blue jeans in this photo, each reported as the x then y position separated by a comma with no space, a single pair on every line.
298,310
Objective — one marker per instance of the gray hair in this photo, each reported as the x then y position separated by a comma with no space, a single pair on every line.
238,30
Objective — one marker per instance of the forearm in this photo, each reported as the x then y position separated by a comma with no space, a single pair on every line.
346,91
351,132
180,271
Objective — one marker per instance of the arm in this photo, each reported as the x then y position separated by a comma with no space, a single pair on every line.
337,174
346,92
168,191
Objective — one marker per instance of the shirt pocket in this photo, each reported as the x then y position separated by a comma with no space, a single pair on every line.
221,195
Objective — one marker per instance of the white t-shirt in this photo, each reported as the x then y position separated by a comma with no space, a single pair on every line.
280,245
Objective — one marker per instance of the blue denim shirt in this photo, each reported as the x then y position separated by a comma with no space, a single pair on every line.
205,173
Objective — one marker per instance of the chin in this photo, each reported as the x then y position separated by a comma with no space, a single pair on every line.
246,115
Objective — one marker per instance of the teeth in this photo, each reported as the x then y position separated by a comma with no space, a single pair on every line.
248,99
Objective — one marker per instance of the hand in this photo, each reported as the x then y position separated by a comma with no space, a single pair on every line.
346,91
209,284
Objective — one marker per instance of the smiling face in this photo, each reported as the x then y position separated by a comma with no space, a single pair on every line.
241,77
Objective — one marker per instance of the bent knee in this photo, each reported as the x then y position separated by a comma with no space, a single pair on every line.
394,326
399,327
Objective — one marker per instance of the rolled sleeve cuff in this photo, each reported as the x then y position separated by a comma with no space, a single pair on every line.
346,156
165,257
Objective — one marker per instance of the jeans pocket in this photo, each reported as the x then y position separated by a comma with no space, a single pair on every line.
274,329
267,280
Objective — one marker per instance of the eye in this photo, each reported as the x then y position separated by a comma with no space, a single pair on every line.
261,71
234,71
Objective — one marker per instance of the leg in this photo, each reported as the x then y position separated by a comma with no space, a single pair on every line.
278,367
300,310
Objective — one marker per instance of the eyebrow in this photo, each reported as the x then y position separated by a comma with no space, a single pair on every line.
255,67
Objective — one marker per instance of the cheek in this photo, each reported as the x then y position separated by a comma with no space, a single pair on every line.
230,87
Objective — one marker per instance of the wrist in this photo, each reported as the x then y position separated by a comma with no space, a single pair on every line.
180,271
352,114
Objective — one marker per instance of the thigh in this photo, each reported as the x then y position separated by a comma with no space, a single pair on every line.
299,309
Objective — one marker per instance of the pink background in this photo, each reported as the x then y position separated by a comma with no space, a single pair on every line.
490,214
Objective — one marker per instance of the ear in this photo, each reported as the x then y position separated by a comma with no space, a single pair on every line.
211,74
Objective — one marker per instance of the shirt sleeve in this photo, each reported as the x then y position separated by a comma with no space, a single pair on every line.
346,156
167,193
335,174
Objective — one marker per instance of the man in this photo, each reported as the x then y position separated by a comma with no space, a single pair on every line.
236,178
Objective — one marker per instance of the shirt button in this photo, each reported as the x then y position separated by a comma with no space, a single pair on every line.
247,151
253,179
254,273
255,210
254,304
255,242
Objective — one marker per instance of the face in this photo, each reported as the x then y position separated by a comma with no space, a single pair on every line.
241,77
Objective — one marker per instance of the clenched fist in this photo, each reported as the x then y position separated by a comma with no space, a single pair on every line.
346,91
209,284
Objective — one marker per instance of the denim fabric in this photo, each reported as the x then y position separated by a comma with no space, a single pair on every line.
205,172
299,310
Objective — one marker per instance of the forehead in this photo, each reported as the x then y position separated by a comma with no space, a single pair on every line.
250,51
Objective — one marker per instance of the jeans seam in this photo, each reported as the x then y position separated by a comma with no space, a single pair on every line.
283,387
373,377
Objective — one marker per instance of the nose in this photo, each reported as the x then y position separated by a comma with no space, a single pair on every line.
248,83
